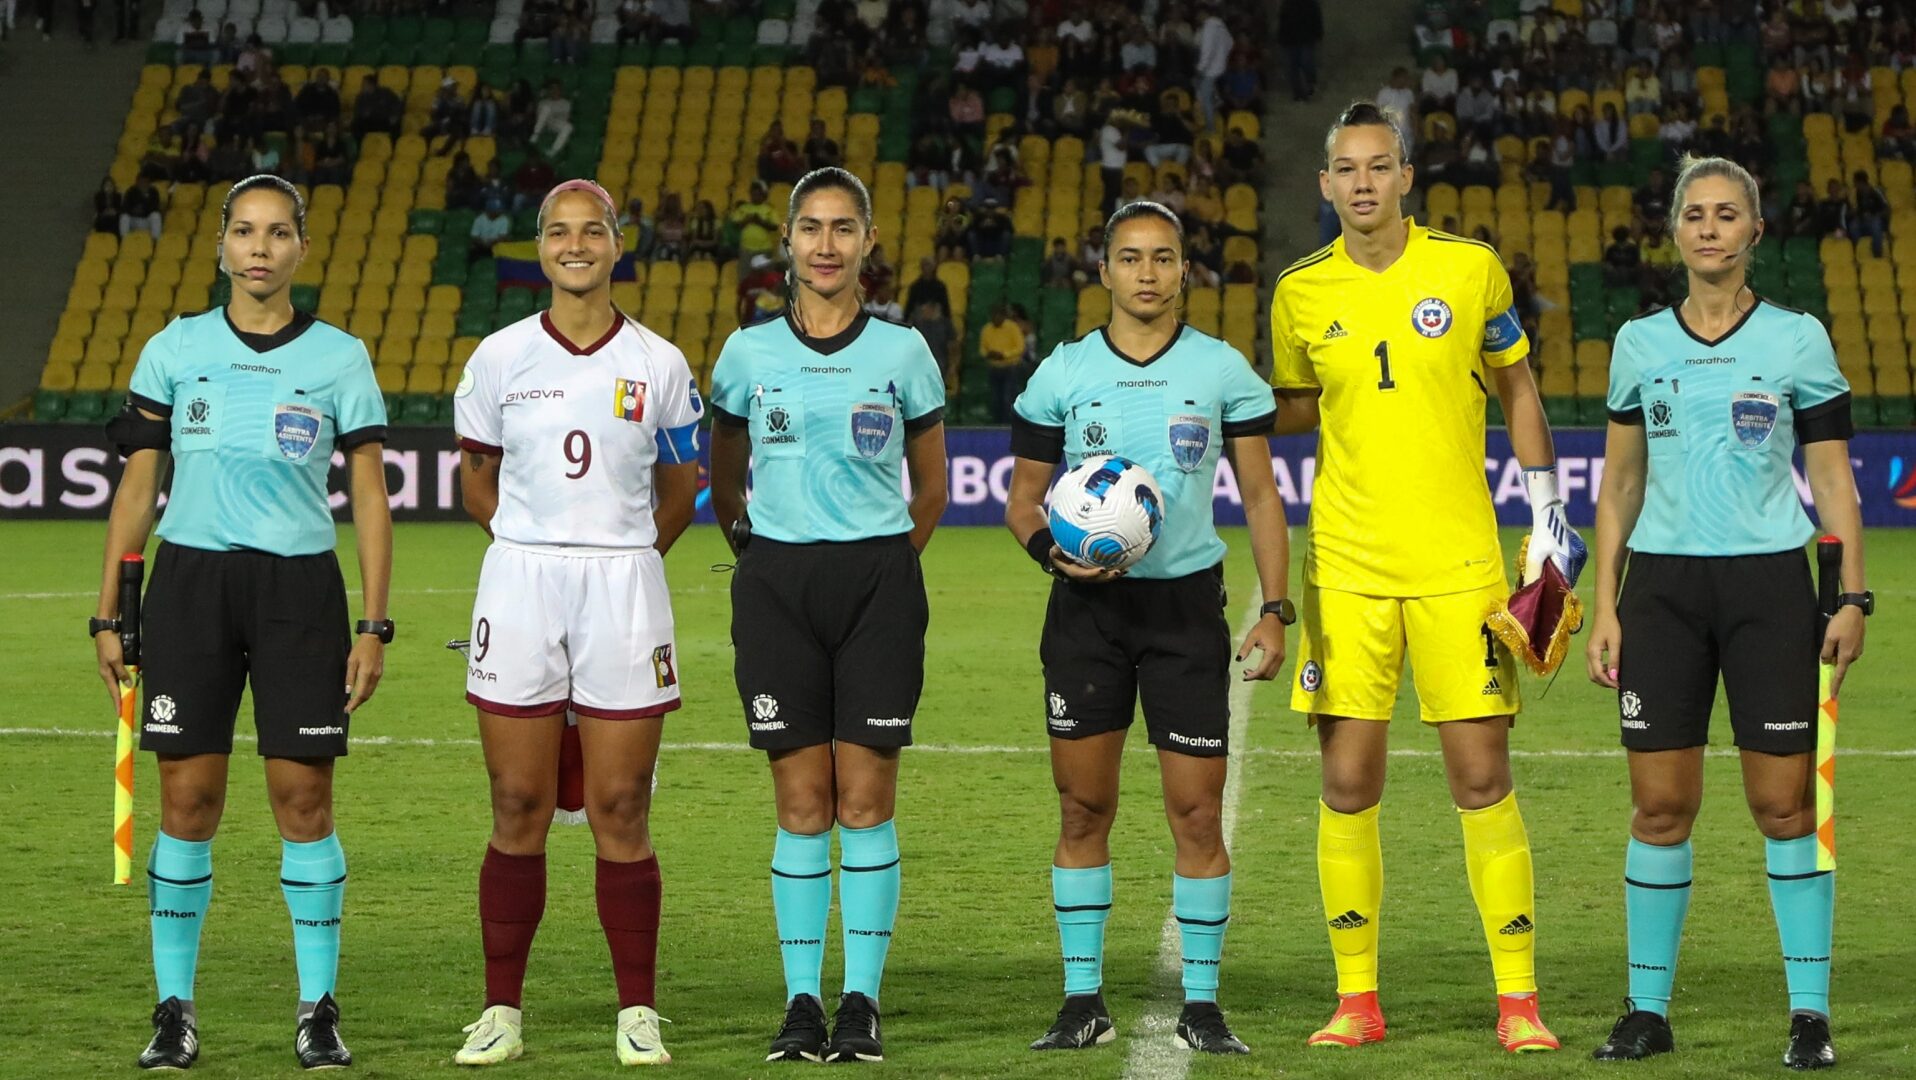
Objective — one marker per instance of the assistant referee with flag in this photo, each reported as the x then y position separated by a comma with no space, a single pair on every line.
250,401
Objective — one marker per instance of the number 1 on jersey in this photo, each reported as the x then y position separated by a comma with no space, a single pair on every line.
1384,381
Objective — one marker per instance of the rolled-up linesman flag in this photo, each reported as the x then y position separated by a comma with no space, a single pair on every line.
132,575
1829,574
571,807
1538,619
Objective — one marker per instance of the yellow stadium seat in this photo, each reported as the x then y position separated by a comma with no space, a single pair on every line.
120,296
437,326
372,297
401,324
75,323
57,376
1441,201
95,376
366,325
391,378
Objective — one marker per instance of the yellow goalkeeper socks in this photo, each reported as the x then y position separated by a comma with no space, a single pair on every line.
1350,873
1497,853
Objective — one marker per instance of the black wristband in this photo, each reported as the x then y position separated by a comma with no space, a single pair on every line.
1039,548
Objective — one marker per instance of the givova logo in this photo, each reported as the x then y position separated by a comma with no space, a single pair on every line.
1902,483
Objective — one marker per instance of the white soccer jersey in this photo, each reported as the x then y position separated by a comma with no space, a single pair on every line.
580,429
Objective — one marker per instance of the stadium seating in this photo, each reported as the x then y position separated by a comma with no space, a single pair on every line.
389,259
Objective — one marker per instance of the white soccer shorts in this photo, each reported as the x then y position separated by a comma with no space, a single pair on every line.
590,632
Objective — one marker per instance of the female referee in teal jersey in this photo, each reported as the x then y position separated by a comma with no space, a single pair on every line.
249,401
827,406
1708,400
1148,388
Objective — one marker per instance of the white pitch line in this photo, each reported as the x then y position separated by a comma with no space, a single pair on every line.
935,748
1154,1054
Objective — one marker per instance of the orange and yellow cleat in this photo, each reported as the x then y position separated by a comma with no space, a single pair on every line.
1358,1020
1519,1028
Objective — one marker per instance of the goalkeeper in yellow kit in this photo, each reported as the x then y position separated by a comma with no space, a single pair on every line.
1392,338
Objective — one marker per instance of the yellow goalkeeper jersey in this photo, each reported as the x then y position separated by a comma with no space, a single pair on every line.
1400,505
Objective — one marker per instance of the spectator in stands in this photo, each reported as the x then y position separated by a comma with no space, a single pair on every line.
1476,108
330,161
1170,193
193,44
634,24
531,180
1204,205
1869,213
497,186
273,104
1678,130
492,226
1783,85
1623,259
821,151
671,19
883,303
1818,87
1642,91
448,117
756,223
1242,89
877,272
1243,159
671,228
1833,212
1300,29
778,160
1091,252
927,288
1112,157
537,19
1207,258
1070,109
933,322
317,101
702,233
1003,59
162,154
229,159
483,118
1898,135
1076,25
1002,345
254,57
1173,129
376,109
226,47
463,183
1652,200
990,237
516,116
953,237
140,208
106,208
1610,136
1853,89
761,275
1398,100
1439,85
967,111
1130,192
1213,57
265,154
198,102
639,224
552,120
1660,263
1715,140
1059,267
1138,50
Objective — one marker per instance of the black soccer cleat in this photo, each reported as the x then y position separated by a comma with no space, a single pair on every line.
1810,1046
175,1045
317,1041
855,1031
1201,1027
1083,1022
803,1036
1637,1035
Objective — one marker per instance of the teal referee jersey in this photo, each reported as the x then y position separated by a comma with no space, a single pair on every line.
1722,420
1169,413
255,419
828,419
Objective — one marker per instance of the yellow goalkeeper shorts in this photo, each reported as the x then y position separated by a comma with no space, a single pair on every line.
1351,655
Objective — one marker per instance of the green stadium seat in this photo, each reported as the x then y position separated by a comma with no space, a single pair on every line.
426,222
49,404
306,297
419,409
85,408
1560,411
668,54
475,322
636,54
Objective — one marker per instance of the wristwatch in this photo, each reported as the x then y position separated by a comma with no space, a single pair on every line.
1865,600
94,625
1286,613
380,628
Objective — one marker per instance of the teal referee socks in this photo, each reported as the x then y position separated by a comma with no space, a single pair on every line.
1804,899
1081,900
801,903
868,881
179,885
1656,898
1202,908
313,878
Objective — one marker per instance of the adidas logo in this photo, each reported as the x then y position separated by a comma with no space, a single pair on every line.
1336,331
1350,920
1493,687
1519,925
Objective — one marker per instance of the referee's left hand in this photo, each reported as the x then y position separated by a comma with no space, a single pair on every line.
1843,643
363,669
1267,636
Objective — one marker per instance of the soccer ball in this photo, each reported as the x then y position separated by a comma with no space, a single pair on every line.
1106,512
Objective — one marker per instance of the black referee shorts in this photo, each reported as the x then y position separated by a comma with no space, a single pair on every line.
212,619
829,641
1110,646
1751,617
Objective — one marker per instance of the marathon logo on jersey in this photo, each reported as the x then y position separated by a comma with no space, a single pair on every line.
628,399
871,429
1431,317
296,429
1753,416
1190,439
662,672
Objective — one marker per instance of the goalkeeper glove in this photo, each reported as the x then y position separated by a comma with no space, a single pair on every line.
1551,536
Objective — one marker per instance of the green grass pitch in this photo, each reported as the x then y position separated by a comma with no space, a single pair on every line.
974,972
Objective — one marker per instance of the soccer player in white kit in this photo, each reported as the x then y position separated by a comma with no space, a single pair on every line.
579,429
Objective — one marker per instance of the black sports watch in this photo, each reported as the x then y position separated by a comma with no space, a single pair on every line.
380,628
95,624
1286,613
1865,600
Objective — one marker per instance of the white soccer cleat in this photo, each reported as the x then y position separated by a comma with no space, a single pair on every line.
638,1039
493,1038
